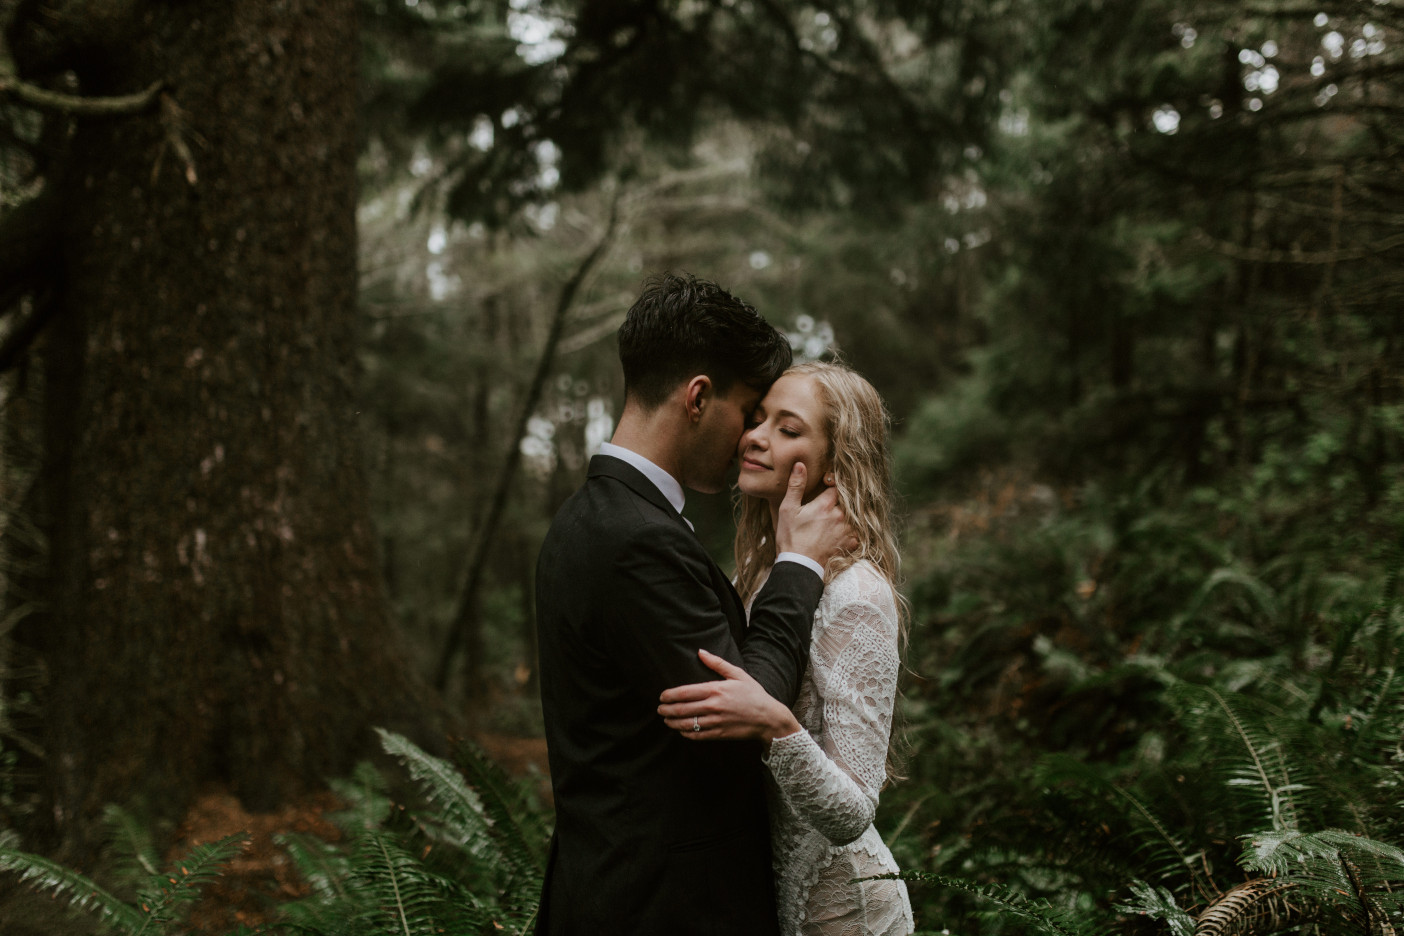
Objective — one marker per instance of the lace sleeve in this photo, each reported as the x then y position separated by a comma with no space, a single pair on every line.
833,783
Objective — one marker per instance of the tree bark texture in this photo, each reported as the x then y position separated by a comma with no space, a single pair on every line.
217,612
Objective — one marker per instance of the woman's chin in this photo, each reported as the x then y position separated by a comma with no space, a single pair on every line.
746,486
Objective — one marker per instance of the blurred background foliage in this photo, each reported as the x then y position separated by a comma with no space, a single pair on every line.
1129,277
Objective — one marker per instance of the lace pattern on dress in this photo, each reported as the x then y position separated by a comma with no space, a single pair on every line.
825,780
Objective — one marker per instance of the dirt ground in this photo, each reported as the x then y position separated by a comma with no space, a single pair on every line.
262,875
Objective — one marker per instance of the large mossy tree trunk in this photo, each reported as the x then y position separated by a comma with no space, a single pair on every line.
216,612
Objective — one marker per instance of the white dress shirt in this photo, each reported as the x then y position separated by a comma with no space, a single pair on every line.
669,487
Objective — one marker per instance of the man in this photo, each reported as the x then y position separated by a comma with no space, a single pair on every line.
655,835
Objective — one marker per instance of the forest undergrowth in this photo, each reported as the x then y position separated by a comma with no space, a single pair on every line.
1155,707
1185,719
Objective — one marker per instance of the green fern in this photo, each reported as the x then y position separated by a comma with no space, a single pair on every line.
1258,763
323,867
1039,913
488,816
158,902
1331,865
399,895
516,824
326,869
45,876
460,812
132,848
1163,854
1159,904
166,893
364,792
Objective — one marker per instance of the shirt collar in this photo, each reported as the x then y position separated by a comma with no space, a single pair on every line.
667,485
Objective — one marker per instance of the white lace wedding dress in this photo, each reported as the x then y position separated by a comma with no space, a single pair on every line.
825,779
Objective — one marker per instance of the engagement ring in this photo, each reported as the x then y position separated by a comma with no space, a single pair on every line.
695,726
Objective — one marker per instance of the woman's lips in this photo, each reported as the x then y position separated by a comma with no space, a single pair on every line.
753,465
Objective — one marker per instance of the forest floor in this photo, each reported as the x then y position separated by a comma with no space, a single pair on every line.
262,876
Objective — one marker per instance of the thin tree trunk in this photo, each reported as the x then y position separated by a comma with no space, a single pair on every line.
459,625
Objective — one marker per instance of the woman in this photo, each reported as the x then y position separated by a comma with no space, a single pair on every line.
825,778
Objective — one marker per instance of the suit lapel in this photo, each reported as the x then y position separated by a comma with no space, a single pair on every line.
606,466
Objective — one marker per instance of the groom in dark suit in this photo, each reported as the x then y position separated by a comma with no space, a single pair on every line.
655,835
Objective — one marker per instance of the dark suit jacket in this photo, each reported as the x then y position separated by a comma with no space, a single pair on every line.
654,833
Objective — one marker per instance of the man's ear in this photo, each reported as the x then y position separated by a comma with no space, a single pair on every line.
698,396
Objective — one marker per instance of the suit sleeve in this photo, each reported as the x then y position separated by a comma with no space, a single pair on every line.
666,611
777,641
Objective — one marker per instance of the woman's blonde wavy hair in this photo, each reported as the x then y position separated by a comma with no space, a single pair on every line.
856,423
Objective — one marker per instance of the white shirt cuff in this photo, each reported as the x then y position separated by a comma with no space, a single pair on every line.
803,560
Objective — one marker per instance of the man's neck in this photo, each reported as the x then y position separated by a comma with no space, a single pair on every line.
649,435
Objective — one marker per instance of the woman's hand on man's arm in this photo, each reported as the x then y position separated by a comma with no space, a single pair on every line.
730,708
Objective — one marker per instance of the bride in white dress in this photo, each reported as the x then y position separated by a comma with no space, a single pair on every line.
828,759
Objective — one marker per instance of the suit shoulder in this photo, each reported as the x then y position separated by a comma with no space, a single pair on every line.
604,512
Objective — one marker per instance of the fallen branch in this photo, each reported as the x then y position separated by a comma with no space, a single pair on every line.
78,105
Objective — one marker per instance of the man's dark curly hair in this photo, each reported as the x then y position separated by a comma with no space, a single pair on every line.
681,326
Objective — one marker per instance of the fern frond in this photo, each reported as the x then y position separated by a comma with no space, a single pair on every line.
400,896
180,883
1039,913
1262,905
1381,718
1255,588
1159,904
364,793
323,867
133,850
41,874
1358,876
1280,852
1166,853
1263,767
460,808
516,823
